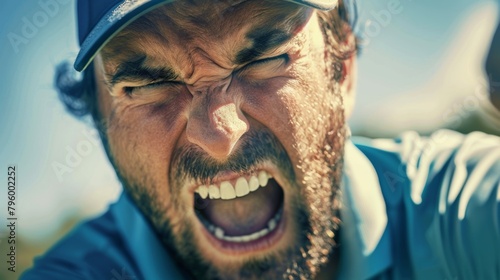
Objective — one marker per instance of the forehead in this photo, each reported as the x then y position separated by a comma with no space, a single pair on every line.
218,28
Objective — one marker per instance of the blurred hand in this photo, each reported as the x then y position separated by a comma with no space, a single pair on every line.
493,69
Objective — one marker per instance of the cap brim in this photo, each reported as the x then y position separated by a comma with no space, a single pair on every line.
124,13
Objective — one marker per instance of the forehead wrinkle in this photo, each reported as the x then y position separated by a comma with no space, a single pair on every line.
199,42
207,20
164,34
203,12
135,42
148,25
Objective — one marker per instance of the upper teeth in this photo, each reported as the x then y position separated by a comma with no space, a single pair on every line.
242,187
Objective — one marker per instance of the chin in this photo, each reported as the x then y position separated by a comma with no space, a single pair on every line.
226,240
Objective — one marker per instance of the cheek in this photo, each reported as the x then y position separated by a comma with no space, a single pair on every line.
309,113
142,138
293,107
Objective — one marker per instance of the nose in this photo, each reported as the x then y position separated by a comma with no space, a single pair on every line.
216,122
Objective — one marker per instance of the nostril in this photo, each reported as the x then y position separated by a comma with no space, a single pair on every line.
215,143
217,132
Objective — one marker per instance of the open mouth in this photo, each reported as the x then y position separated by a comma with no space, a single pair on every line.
245,213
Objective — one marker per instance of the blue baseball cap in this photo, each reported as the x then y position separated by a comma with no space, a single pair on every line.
100,20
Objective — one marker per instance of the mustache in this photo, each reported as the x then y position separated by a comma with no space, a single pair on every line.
256,147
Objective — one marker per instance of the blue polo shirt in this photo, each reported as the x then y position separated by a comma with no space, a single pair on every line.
414,208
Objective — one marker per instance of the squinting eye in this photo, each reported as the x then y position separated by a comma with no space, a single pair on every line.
264,68
149,87
283,57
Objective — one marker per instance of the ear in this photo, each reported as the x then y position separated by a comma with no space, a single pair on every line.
348,84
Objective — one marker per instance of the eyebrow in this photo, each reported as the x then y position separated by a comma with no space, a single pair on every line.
135,69
263,40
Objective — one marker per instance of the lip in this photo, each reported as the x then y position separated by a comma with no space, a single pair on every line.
233,176
239,249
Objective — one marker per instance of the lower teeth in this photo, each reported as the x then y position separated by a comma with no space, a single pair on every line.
219,233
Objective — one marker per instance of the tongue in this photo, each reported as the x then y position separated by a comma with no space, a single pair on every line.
248,214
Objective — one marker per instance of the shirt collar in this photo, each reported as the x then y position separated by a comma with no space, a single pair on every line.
365,242
147,250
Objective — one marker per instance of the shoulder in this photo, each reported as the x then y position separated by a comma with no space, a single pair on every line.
94,250
443,201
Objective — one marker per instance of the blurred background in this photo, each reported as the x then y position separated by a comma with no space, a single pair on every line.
420,68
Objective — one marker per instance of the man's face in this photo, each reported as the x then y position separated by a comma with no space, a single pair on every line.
226,128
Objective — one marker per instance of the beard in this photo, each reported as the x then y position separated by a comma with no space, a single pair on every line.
313,205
